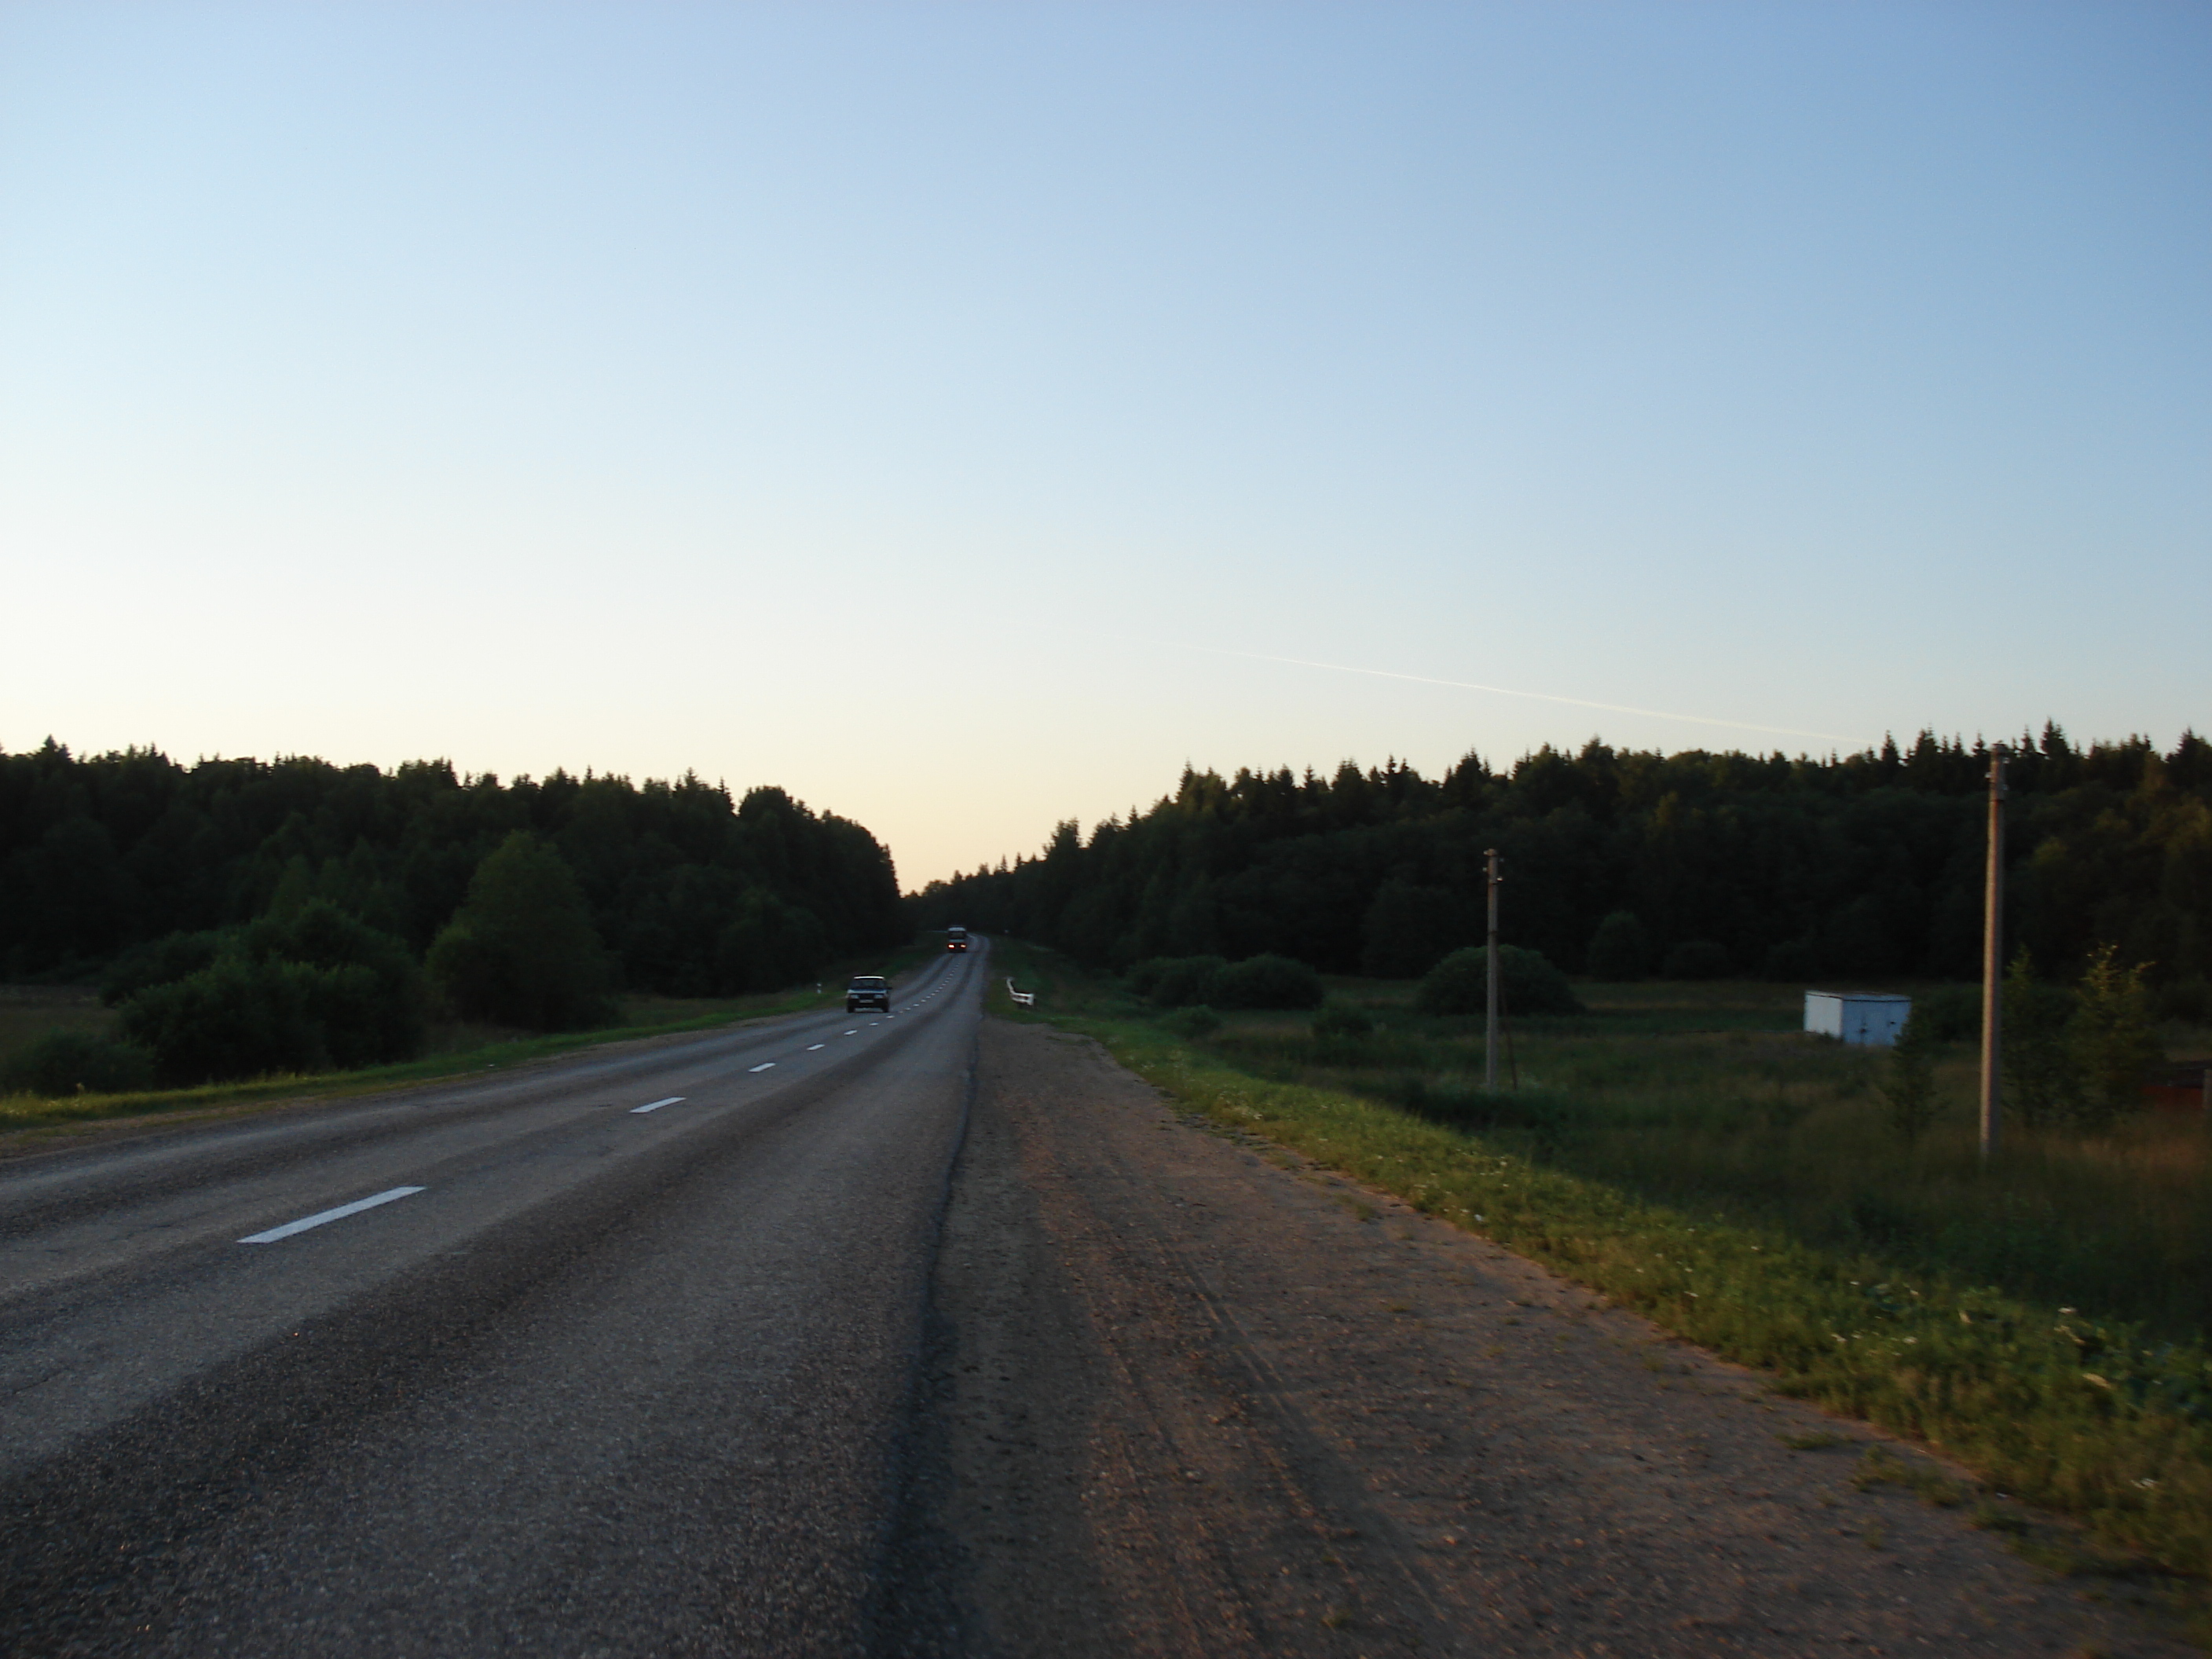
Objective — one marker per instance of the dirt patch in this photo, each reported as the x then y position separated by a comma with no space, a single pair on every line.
1185,1395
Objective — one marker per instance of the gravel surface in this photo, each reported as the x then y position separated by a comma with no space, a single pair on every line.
1182,1394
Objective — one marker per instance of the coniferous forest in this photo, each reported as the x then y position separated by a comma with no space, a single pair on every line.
1621,863
250,916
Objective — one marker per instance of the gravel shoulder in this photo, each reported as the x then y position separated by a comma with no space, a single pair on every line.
1182,1393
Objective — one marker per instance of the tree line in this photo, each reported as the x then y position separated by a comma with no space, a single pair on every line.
1697,864
297,905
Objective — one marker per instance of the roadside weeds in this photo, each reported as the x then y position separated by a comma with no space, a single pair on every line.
2086,1420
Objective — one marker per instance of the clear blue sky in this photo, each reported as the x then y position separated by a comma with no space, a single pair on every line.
912,404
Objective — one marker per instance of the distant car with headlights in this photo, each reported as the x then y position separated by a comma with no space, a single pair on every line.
956,939
868,991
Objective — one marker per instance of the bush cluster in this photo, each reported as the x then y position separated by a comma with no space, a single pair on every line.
1196,1020
313,988
1179,981
2073,1054
1459,984
1260,981
2081,1054
306,992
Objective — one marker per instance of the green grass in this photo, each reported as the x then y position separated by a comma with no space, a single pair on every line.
455,1049
1721,1108
2099,1418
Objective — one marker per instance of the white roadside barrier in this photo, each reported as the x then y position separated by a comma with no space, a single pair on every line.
1021,999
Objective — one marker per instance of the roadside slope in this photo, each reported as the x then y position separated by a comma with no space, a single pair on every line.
1189,1395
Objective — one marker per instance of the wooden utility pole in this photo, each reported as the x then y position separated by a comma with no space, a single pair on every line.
1490,987
1993,957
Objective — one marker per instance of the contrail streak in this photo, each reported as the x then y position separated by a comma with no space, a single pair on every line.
1507,691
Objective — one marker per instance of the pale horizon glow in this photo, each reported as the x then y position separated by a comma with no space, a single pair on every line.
965,416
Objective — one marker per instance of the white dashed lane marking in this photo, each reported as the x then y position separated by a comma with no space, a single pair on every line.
321,1217
655,1106
765,1065
811,1046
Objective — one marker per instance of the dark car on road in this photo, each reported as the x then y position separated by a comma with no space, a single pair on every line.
868,991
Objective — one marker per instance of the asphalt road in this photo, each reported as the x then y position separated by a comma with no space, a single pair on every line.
618,1365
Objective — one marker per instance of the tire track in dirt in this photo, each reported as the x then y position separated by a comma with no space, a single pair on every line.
1186,1394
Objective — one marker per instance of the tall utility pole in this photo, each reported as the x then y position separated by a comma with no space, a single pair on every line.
1993,957
1490,987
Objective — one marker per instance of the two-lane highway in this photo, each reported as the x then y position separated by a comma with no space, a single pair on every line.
603,1356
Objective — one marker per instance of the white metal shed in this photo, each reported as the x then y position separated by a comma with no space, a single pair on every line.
1870,1018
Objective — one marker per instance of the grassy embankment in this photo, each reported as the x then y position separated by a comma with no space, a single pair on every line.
1684,1151
28,1012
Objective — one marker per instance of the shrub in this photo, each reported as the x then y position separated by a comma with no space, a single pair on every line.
1337,1021
1459,984
300,992
1619,950
235,1019
158,962
1267,982
1910,1086
369,998
1185,980
521,950
77,1062
2110,1033
1195,1021
1697,958
2042,1082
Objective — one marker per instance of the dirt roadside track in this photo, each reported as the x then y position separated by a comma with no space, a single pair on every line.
1184,1394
